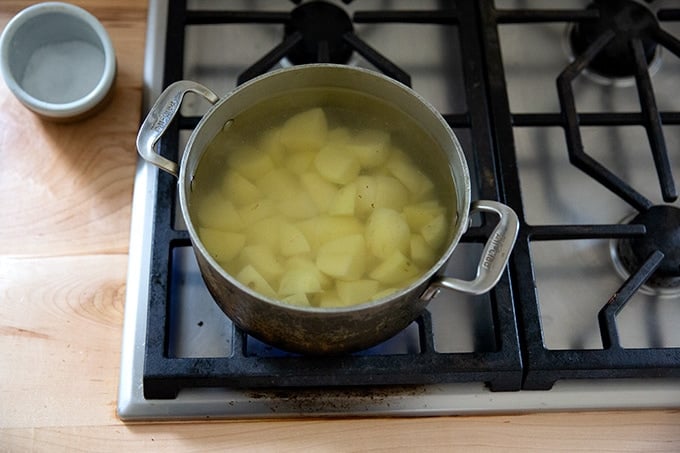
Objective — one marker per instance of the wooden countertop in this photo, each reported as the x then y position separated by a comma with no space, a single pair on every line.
65,196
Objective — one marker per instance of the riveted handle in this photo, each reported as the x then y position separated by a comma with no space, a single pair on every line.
161,114
495,254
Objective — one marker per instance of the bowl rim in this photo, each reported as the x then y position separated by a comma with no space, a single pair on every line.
52,109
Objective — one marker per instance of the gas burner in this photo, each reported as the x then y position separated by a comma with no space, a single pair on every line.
663,234
615,63
322,26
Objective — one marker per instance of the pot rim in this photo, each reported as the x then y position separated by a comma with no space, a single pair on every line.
460,217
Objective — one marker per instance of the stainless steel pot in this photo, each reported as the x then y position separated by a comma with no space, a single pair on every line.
326,330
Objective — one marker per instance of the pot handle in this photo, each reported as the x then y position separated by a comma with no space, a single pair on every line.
161,114
495,254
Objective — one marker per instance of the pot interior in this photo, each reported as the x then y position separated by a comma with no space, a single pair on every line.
410,119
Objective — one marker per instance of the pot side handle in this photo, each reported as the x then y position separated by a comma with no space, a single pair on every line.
495,254
159,118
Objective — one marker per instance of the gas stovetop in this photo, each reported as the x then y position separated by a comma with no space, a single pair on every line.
568,115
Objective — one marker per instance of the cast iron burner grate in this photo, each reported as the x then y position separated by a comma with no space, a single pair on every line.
500,369
543,366
622,25
520,359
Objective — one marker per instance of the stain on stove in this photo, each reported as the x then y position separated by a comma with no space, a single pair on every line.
334,400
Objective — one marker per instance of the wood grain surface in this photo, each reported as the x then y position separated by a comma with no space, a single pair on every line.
65,195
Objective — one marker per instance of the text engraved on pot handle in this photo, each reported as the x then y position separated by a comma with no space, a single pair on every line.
495,254
159,118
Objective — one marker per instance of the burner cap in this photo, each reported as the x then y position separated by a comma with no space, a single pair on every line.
663,234
627,19
322,26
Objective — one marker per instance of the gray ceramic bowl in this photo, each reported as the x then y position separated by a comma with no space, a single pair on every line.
58,60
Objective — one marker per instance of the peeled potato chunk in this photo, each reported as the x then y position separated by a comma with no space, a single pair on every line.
255,211
305,131
390,193
337,164
299,281
292,240
239,190
420,214
321,191
356,291
371,146
309,266
222,245
216,212
266,231
278,184
299,206
319,230
401,166
255,281
250,162
263,260
395,269
367,189
435,232
386,231
300,162
343,201
343,258
270,144
298,299
330,299
421,252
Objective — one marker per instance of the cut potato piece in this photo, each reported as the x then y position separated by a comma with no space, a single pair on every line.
250,162
263,259
379,191
278,184
343,201
420,214
384,292
266,231
357,291
330,299
386,231
215,212
239,190
258,210
271,145
337,164
371,146
321,191
367,188
299,206
396,270
306,264
299,281
300,300
250,277
390,193
224,246
402,167
435,232
339,136
343,258
421,252
300,162
292,240
305,131
319,230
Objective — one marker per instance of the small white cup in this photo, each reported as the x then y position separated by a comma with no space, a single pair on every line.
58,60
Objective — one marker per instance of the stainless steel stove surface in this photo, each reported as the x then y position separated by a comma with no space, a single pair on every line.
563,330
